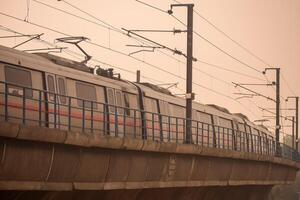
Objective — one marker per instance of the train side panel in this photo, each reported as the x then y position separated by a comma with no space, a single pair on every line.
25,105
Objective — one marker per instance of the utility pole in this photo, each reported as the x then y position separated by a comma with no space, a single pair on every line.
277,130
297,113
293,132
189,70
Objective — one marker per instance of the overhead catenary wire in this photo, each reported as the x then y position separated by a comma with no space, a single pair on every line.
206,40
137,59
238,44
109,26
288,86
227,36
217,47
92,16
72,53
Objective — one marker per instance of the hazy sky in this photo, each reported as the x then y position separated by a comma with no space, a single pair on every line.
268,28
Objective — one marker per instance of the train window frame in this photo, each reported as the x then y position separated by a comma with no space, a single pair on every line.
164,107
228,120
110,93
243,125
62,94
16,90
51,92
175,110
118,93
126,103
153,105
200,116
81,97
248,129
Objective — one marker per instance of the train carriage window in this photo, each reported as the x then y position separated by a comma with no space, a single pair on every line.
119,102
177,111
150,105
254,131
111,99
248,129
131,101
126,104
62,90
51,87
86,92
204,117
226,123
18,77
242,127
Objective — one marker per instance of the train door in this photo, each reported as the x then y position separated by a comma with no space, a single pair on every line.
178,123
113,112
264,143
225,133
120,114
205,128
133,122
256,140
243,139
237,137
63,102
195,129
51,100
152,119
249,138
165,121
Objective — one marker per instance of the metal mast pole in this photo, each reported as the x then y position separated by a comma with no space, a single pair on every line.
277,110
189,74
277,130
297,122
189,70
293,132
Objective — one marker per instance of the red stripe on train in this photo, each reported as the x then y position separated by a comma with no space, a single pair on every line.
79,116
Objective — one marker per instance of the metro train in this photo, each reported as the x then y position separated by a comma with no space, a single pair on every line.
47,90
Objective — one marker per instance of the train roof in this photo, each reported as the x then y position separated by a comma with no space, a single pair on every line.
41,63
241,115
222,109
65,62
157,88
149,91
153,92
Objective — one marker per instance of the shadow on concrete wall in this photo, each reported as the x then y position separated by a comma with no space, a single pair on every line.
286,192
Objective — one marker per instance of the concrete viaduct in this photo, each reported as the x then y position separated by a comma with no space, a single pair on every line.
43,163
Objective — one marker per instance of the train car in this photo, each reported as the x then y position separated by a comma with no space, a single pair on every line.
50,91
46,90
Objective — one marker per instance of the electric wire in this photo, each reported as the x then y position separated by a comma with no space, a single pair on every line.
151,6
107,25
206,40
220,49
227,36
238,44
288,86
122,53
70,52
172,57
